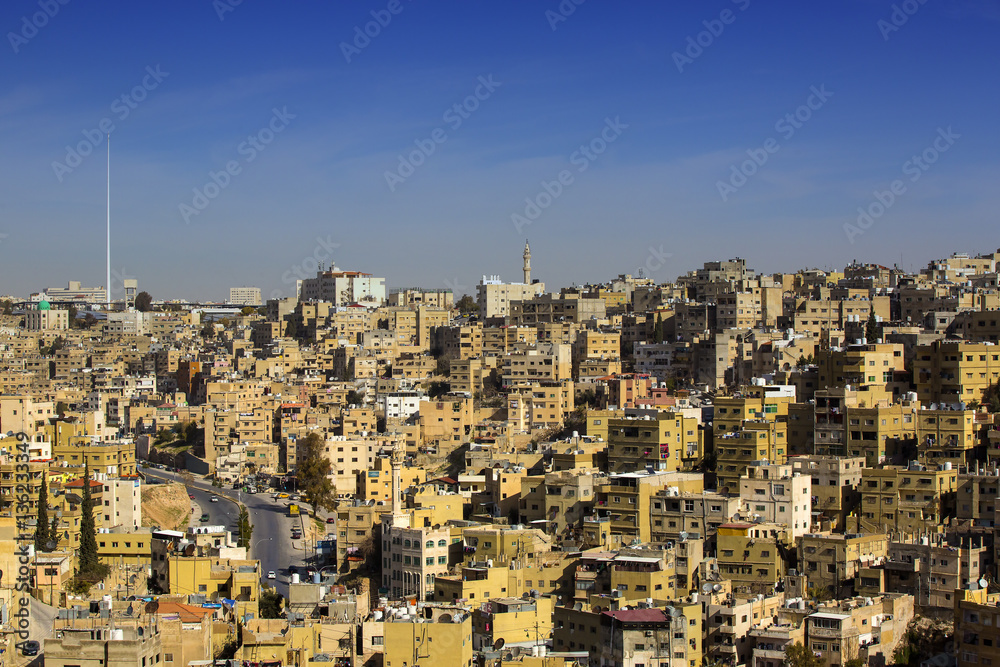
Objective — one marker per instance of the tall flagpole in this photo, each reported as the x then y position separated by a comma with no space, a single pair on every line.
107,285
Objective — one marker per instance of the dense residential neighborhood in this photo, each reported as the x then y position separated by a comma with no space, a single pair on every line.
736,468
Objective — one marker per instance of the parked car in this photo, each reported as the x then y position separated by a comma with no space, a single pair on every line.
30,647
271,575
331,520
215,499
204,518
191,496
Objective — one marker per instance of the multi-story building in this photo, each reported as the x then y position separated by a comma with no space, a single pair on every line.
635,637
906,500
832,561
977,627
753,555
495,297
835,485
343,288
244,296
953,372
696,514
866,629
750,427
656,440
775,494
626,500
109,642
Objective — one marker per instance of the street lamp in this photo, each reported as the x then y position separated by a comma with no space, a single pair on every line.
254,545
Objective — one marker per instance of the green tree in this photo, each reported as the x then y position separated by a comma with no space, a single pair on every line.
438,389
443,365
8,307
89,563
467,305
247,310
208,331
292,329
797,655
54,531
313,473
872,328
143,302
270,603
658,329
246,528
61,408
42,522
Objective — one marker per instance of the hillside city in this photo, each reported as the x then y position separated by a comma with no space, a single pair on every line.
736,468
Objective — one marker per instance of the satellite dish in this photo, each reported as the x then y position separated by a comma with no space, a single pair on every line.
128,612
983,583
706,588
683,535
498,644
152,607
717,588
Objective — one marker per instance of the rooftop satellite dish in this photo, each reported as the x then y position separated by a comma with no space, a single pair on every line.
717,588
706,588
683,535
983,583
578,606
152,607
498,644
128,612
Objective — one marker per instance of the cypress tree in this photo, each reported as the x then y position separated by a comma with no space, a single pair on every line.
54,532
42,522
88,534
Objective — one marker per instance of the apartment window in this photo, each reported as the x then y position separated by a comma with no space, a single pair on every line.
378,640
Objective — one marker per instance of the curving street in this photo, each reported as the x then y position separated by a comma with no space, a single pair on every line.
272,542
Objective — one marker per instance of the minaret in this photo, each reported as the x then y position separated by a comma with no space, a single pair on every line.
527,263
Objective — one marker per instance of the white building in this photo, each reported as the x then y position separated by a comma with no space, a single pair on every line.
774,493
401,404
244,296
343,288
122,503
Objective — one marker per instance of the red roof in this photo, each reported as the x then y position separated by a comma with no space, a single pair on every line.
186,612
78,483
637,615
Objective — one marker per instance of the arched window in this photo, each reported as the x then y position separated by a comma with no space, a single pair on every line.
430,544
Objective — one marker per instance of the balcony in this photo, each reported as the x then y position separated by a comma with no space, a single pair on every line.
727,629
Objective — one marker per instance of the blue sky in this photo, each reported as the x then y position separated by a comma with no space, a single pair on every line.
650,198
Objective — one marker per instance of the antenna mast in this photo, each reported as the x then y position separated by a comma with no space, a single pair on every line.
107,285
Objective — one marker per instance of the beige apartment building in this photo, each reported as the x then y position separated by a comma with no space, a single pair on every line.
495,297
834,485
952,372
773,493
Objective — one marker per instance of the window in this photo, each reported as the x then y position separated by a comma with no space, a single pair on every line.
378,640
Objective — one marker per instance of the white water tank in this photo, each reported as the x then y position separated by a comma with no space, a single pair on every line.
947,465
295,578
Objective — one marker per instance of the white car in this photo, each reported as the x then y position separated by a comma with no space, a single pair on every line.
215,499
271,575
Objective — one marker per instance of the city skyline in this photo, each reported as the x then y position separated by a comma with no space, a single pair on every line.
417,152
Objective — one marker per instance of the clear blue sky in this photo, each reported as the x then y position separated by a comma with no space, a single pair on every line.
656,185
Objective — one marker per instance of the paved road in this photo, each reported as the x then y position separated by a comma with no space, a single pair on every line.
272,527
